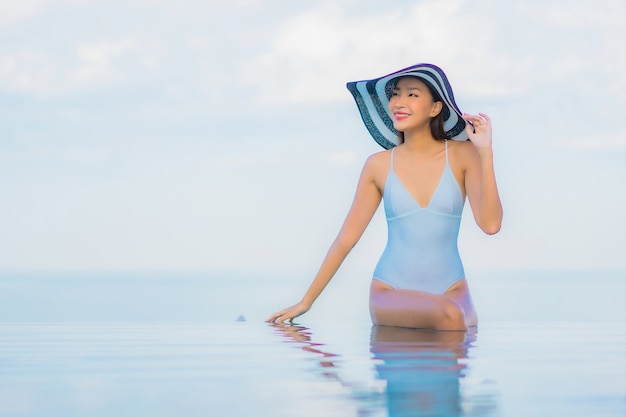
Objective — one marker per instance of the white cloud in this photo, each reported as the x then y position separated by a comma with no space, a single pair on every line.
91,65
25,70
13,11
96,60
343,159
578,14
314,53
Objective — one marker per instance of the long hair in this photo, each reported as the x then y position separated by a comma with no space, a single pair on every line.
436,123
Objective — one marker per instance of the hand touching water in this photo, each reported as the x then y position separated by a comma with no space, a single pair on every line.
289,313
480,135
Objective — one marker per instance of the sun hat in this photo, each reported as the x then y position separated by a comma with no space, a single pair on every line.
372,99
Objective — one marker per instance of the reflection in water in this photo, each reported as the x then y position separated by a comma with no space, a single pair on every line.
421,371
421,368
301,334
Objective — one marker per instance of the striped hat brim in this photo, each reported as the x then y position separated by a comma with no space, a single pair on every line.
372,100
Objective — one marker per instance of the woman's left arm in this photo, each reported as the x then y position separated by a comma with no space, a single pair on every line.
480,178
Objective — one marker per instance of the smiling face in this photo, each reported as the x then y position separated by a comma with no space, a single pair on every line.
412,105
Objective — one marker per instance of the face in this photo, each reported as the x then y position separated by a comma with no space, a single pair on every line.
412,105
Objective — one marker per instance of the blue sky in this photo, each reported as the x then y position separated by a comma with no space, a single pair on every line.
219,136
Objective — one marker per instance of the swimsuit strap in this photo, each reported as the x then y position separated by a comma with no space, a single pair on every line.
446,142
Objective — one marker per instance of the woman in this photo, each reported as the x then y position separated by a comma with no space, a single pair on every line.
423,177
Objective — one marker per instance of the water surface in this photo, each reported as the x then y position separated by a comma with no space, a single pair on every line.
171,345
238,369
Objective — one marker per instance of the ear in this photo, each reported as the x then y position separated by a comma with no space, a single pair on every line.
436,109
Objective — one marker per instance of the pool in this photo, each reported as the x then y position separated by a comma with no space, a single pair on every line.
337,369
181,345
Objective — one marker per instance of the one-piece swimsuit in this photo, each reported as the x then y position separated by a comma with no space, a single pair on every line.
422,252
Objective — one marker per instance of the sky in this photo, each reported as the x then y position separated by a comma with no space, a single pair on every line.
219,136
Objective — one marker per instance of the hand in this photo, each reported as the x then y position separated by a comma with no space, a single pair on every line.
289,313
480,135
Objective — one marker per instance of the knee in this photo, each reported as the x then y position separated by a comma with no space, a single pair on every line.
453,317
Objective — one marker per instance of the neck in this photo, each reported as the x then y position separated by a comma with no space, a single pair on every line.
419,140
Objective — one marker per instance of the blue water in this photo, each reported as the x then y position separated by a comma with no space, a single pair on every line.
182,344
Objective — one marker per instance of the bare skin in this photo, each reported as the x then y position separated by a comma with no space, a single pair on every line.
418,163
408,308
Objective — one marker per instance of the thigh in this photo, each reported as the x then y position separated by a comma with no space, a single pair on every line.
459,292
416,309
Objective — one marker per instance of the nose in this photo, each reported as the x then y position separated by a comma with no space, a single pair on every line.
396,102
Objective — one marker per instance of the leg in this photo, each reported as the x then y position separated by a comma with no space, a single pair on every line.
417,309
460,293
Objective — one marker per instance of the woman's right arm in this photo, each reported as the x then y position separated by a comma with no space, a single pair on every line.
366,201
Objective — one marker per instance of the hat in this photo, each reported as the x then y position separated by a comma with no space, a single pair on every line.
372,99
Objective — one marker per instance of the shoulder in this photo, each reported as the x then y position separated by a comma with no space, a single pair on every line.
460,147
378,159
376,166
463,152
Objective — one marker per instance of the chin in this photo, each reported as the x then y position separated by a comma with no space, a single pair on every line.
399,127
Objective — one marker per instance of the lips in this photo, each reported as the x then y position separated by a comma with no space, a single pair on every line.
400,116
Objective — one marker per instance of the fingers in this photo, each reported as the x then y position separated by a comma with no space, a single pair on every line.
288,314
480,117
477,120
484,116
280,317
275,318
478,126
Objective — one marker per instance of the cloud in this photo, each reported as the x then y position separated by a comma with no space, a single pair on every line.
66,49
96,60
309,63
320,49
315,52
90,65
13,11
343,159
577,42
